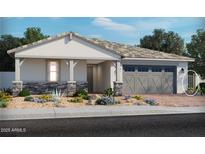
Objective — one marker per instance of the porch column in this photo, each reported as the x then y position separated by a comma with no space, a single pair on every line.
71,68
118,71
118,83
17,69
17,84
71,84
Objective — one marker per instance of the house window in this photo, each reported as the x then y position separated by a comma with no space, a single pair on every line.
129,68
53,69
169,69
143,68
156,69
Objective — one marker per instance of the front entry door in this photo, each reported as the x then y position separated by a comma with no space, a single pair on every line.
90,77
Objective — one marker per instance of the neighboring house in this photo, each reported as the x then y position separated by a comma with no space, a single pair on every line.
70,61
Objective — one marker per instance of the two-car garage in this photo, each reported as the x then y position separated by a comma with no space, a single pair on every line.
149,79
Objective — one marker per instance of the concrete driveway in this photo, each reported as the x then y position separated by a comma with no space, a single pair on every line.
177,100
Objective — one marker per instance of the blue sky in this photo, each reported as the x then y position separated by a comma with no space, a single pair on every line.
124,30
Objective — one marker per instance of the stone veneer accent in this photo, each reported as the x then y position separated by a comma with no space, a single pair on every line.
118,88
71,87
16,87
67,88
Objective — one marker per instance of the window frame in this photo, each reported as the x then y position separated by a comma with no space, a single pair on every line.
49,71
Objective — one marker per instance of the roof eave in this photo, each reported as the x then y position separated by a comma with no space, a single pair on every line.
158,59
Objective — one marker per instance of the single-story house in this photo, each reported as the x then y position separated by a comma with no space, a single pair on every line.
70,62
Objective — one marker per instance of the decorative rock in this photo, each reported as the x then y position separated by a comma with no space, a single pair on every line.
71,88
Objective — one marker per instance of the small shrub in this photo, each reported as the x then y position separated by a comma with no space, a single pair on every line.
56,96
29,98
138,97
82,93
24,93
38,100
7,90
76,100
190,91
126,97
47,98
109,92
5,97
3,103
202,88
106,101
151,101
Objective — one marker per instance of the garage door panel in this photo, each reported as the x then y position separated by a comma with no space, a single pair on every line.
140,84
148,82
128,86
155,84
167,82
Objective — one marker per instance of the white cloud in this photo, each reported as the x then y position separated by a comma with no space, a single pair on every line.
112,25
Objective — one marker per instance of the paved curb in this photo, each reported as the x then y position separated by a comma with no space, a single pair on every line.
94,111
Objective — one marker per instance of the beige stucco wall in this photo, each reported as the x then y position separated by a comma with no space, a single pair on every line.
102,76
35,70
179,65
70,49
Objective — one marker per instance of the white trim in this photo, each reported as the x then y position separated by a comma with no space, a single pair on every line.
64,57
21,62
17,69
75,63
150,59
57,71
118,71
71,69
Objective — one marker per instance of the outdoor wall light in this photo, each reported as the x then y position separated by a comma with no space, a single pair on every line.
182,70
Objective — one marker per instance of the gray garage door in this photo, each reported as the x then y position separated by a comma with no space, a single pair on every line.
149,79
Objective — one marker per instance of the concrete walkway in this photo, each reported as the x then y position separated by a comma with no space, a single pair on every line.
94,111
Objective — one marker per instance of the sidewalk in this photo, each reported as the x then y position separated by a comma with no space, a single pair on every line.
94,111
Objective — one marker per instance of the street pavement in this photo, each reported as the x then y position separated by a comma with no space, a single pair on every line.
166,125
103,121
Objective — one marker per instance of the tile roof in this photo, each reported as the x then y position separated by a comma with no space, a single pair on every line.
124,50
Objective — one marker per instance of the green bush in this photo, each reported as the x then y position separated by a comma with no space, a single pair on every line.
5,97
28,98
3,103
7,90
106,101
82,93
109,92
202,88
24,93
151,101
77,100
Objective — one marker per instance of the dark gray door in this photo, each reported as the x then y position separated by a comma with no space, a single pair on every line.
148,80
90,77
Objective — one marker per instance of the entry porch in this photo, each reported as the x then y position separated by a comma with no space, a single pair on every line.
68,75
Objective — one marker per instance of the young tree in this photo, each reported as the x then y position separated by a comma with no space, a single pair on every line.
161,40
33,34
7,42
196,49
